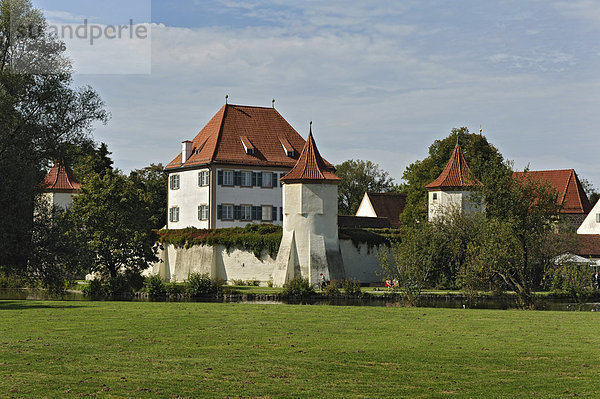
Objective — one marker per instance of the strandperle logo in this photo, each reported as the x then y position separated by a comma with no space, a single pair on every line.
87,31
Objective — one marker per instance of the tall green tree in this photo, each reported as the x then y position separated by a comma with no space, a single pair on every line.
519,242
153,180
41,116
485,161
115,220
358,177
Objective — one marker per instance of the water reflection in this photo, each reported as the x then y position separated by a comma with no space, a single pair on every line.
432,301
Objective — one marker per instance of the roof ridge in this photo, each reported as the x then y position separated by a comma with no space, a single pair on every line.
219,134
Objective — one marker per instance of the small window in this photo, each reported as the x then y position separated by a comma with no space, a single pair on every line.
227,212
174,214
228,177
246,178
203,178
202,212
267,180
267,213
598,218
246,212
174,182
435,196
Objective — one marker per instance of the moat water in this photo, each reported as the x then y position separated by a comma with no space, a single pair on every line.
432,301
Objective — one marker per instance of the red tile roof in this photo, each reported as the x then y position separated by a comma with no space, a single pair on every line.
588,245
220,141
571,194
388,205
457,173
311,167
60,179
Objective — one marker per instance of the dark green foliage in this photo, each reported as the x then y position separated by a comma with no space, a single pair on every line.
358,177
575,280
253,237
175,289
332,289
371,237
57,257
113,218
298,286
352,287
8,281
153,180
155,286
41,116
201,285
94,288
119,285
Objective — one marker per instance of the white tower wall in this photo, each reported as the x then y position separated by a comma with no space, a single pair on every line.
310,244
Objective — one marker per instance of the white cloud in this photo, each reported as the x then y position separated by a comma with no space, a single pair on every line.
384,93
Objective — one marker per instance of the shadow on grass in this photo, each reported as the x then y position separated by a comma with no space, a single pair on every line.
30,304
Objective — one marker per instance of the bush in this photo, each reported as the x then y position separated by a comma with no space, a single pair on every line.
298,287
253,283
332,289
352,287
239,282
118,285
94,288
155,286
201,285
11,281
175,289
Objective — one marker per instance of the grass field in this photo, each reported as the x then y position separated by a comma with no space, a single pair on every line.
173,350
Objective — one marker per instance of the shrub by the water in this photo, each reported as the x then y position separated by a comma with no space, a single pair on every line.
94,288
298,287
352,287
175,289
200,285
155,286
332,289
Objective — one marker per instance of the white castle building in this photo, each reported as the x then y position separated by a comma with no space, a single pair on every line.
228,175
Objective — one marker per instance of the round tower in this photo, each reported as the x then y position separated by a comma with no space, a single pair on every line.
310,244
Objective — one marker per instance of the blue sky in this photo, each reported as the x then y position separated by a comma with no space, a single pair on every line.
380,79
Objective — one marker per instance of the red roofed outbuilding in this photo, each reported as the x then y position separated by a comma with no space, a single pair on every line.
452,189
60,185
575,205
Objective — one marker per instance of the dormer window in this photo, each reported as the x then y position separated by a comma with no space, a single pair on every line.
287,147
248,147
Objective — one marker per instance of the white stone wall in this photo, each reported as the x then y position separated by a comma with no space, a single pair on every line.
591,224
448,200
238,264
187,198
362,263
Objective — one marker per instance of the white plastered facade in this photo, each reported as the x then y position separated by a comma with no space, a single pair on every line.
440,201
591,224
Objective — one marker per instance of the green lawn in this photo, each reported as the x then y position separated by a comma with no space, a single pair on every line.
173,350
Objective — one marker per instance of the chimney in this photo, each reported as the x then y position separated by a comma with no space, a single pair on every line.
186,150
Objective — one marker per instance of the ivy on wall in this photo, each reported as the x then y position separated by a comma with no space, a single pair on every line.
263,237
253,237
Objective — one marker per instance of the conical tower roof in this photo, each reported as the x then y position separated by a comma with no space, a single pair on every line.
456,175
311,167
61,179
